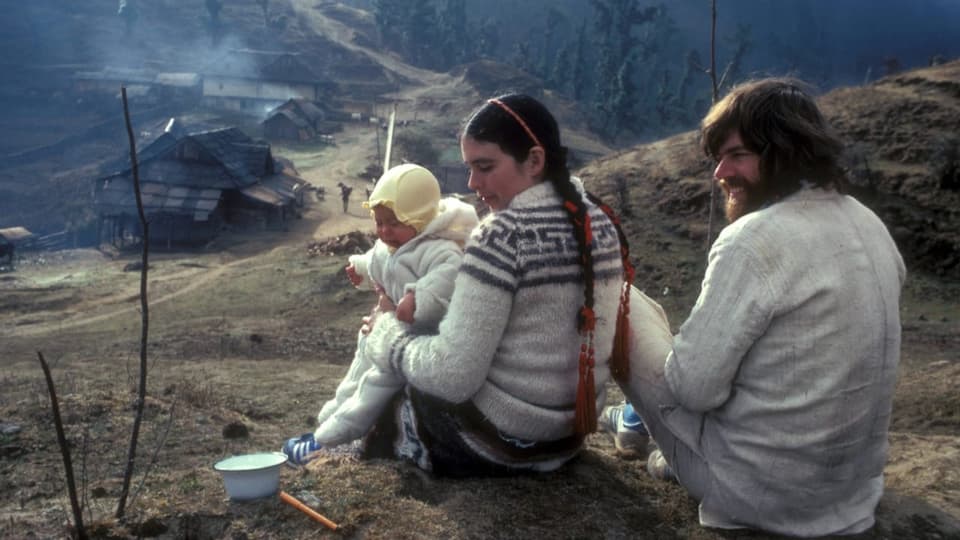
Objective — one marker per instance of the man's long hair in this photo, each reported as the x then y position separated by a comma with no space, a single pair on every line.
779,120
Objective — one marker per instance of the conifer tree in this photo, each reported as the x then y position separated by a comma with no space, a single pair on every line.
457,43
488,38
388,16
579,70
554,21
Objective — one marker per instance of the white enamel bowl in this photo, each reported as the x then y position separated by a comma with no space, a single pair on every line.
251,476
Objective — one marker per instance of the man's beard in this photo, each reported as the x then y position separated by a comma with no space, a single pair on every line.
752,197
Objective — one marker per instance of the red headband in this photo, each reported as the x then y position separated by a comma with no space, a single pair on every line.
519,120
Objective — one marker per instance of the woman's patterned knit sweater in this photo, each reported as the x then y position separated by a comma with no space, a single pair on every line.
509,342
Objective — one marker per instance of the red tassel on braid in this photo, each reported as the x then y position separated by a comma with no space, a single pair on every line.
585,416
585,419
620,357
585,412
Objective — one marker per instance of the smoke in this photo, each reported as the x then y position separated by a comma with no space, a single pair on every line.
166,35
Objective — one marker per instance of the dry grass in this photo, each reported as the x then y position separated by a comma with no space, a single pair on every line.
208,371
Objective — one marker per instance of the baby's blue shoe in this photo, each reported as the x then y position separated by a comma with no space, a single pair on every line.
300,450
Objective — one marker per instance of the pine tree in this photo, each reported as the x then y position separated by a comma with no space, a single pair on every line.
614,24
622,106
559,77
488,38
213,20
457,43
411,28
388,16
579,70
521,57
555,19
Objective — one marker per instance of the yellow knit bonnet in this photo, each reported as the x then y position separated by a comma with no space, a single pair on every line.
411,191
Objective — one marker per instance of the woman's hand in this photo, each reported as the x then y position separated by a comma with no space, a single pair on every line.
406,307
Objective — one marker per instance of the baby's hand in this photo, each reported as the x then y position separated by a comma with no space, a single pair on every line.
406,307
355,278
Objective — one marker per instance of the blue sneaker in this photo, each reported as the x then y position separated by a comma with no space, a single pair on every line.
630,437
300,450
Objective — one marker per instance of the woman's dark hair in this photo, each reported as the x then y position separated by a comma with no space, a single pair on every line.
517,123
778,119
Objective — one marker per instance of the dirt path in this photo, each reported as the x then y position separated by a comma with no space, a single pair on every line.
343,35
322,220
84,318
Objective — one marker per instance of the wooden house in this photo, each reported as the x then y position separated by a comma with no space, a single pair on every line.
143,86
194,185
298,120
244,79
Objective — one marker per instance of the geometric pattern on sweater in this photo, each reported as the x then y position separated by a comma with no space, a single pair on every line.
534,247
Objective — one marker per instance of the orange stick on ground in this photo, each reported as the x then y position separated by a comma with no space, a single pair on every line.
292,501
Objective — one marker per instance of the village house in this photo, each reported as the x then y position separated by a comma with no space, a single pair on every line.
244,79
143,86
301,120
195,185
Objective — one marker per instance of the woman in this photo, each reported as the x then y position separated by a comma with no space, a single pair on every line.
514,377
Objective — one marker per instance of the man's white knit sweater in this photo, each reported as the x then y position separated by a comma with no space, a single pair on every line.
509,342
786,368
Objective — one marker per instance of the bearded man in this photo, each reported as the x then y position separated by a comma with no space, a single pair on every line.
773,404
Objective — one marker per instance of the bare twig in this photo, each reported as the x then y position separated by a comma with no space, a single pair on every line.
64,450
144,314
726,72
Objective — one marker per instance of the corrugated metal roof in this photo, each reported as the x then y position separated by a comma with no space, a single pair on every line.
245,158
277,190
302,108
228,159
233,160
117,197
187,174
292,116
262,193
289,186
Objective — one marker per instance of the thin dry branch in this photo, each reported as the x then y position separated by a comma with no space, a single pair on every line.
64,450
144,313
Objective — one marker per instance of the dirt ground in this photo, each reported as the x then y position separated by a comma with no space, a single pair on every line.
249,337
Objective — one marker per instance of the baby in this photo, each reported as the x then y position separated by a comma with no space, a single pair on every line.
415,259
